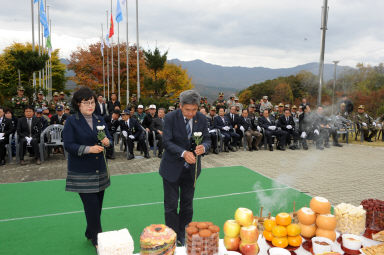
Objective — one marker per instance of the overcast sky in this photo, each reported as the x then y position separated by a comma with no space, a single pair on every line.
269,33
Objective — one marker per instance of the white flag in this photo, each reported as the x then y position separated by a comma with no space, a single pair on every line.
102,47
107,41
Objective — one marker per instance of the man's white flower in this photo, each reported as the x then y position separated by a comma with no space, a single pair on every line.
100,128
197,134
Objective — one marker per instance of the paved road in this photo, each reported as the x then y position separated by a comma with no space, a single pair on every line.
349,174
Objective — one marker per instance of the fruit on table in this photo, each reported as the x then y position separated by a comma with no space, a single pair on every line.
268,235
281,242
249,248
326,221
306,216
244,216
231,228
330,234
283,219
293,230
279,231
269,224
320,205
249,234
232,243
308,231
295,241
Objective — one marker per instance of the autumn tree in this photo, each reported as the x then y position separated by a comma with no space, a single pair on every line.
20,56
283,93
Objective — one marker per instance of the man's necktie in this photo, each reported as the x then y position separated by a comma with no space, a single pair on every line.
30,126
188,128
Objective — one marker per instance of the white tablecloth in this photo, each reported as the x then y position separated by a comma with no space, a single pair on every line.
264,247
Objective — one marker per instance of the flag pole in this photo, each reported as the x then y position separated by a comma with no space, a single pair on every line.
38,33
127,51
107,61
138,50
50,82
46,62
102,38
118,59
112,64
33,44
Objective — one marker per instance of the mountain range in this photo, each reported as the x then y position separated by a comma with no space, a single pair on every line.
209,79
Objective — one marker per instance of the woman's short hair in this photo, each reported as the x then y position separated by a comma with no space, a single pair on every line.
84,93
190,97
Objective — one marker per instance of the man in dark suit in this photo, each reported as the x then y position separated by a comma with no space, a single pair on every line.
113,103
177,166
113,124
223,123
287,124
148,120
211,128
157,126
5,131
250,130
132,131
101,107
234,119
59,118
270,129
29,130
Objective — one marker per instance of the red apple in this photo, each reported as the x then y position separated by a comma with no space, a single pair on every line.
231,243
249,234
244,216
231,228
249,248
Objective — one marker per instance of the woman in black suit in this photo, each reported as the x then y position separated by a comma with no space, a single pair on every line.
87,169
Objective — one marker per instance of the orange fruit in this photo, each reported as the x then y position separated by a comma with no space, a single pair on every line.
295,241
279,231
268,235
281,242
269,224
283,219
293,230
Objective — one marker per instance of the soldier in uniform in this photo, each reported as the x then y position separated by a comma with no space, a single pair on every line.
19,102
365,123
140,114
54,102
294,112
265,104
171,108
62,98
59,118
220,102
40,102
239,106
231,101
280,111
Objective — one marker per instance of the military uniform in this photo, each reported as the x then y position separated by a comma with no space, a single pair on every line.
40,104
265,105
220,103
19,103
366,124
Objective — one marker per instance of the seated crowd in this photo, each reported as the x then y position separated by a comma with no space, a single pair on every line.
231,126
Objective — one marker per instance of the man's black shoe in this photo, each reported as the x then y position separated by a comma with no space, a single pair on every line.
327,145
146,155
131,156
216,151
270,147
159,155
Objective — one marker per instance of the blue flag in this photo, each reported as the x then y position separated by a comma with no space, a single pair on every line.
43,19
35,1
119,14
107,41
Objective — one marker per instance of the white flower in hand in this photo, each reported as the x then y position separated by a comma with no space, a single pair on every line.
100,128
197,134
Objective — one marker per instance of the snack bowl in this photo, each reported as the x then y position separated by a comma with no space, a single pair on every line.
321,245
352,242
278,251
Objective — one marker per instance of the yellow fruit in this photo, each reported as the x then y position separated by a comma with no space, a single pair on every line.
279,231
281,242
295,241
293,230
283,219
268,235
269,224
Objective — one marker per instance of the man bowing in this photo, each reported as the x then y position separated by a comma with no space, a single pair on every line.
177,166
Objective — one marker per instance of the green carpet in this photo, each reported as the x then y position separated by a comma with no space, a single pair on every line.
41,218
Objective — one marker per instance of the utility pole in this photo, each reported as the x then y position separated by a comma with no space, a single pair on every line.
324,21
334,85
